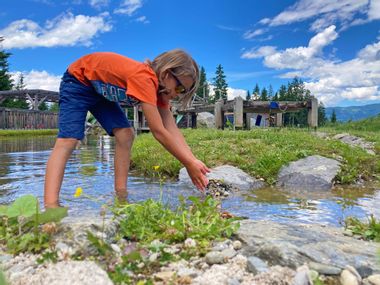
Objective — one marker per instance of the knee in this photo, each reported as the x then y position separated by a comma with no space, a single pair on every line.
124,136
66,144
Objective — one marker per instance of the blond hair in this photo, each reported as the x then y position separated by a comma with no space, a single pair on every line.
180,63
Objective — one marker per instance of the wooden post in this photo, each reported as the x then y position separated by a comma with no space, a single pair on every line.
136,118
219,114
279,122
193,120
312,117
238,113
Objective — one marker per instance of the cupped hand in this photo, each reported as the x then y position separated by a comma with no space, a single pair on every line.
197,171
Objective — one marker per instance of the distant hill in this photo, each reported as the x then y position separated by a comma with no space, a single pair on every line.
353,113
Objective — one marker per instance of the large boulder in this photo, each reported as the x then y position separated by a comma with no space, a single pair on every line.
229,175
206,120
324,248
311,173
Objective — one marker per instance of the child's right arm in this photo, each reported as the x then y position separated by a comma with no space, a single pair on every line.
195,168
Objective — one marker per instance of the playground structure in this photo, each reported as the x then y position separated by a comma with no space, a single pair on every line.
241,110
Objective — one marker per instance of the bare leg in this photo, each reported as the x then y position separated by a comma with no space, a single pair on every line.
123,145
55,170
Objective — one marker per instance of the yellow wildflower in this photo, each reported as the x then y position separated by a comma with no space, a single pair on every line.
156,167
78,192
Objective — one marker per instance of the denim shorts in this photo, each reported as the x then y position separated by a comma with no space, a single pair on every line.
75,99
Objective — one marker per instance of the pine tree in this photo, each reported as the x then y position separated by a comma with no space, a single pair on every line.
270,92
220,84
256,92
282,93
203,90
264,95
5,78
333,117
248,96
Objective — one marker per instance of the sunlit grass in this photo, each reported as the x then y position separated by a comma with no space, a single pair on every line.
7,133
259,152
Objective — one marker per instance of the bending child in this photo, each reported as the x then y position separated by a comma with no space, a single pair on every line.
97,83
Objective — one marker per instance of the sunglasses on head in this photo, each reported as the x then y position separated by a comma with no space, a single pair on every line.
180,88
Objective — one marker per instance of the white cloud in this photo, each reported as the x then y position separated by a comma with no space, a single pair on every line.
250,34
259,52
327,12
38,80
330,81
99,3
231,92
128,7
374,10
143,20
65,30
296,58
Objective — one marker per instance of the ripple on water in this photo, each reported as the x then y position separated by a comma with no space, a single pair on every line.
22,170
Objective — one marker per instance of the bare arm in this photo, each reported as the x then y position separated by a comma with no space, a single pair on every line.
164,129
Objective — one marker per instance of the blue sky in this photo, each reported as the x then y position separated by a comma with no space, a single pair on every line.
333,46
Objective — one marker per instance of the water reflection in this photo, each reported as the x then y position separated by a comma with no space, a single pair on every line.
22,170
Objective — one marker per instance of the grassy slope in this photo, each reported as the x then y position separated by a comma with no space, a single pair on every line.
259,152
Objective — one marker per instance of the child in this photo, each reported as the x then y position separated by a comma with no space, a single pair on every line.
96,83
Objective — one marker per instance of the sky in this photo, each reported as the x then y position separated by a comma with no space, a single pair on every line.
333,46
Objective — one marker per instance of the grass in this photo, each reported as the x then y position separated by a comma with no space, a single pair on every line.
47,132
259,152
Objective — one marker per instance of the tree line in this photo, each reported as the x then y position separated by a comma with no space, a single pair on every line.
293,91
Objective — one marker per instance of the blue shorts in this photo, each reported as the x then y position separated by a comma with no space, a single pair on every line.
75,99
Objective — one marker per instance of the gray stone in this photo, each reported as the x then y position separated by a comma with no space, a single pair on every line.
233,281
229,175
374,279
205,120
228,253
293,245
68,272
354,141
256,265
348,278
314,173
325,269
302,276
214,257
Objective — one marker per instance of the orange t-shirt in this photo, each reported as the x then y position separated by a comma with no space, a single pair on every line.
118,78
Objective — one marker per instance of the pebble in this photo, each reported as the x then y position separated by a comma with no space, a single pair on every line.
214,257
237,245
374,279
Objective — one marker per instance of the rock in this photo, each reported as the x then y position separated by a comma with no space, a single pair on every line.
354,141
374,279
68,272
294,244
205,120
228,253
214,257
313,172
237,245
164,275
348,278
302,276
229,175
256,265
324,268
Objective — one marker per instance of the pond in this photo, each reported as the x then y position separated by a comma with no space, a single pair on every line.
22,169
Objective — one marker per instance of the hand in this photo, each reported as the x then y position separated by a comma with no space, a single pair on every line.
197,171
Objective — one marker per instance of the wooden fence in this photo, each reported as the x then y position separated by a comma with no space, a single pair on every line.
27,119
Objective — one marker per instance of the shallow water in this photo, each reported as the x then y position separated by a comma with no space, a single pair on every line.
22,169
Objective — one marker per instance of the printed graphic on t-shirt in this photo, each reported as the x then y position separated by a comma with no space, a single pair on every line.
113,93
